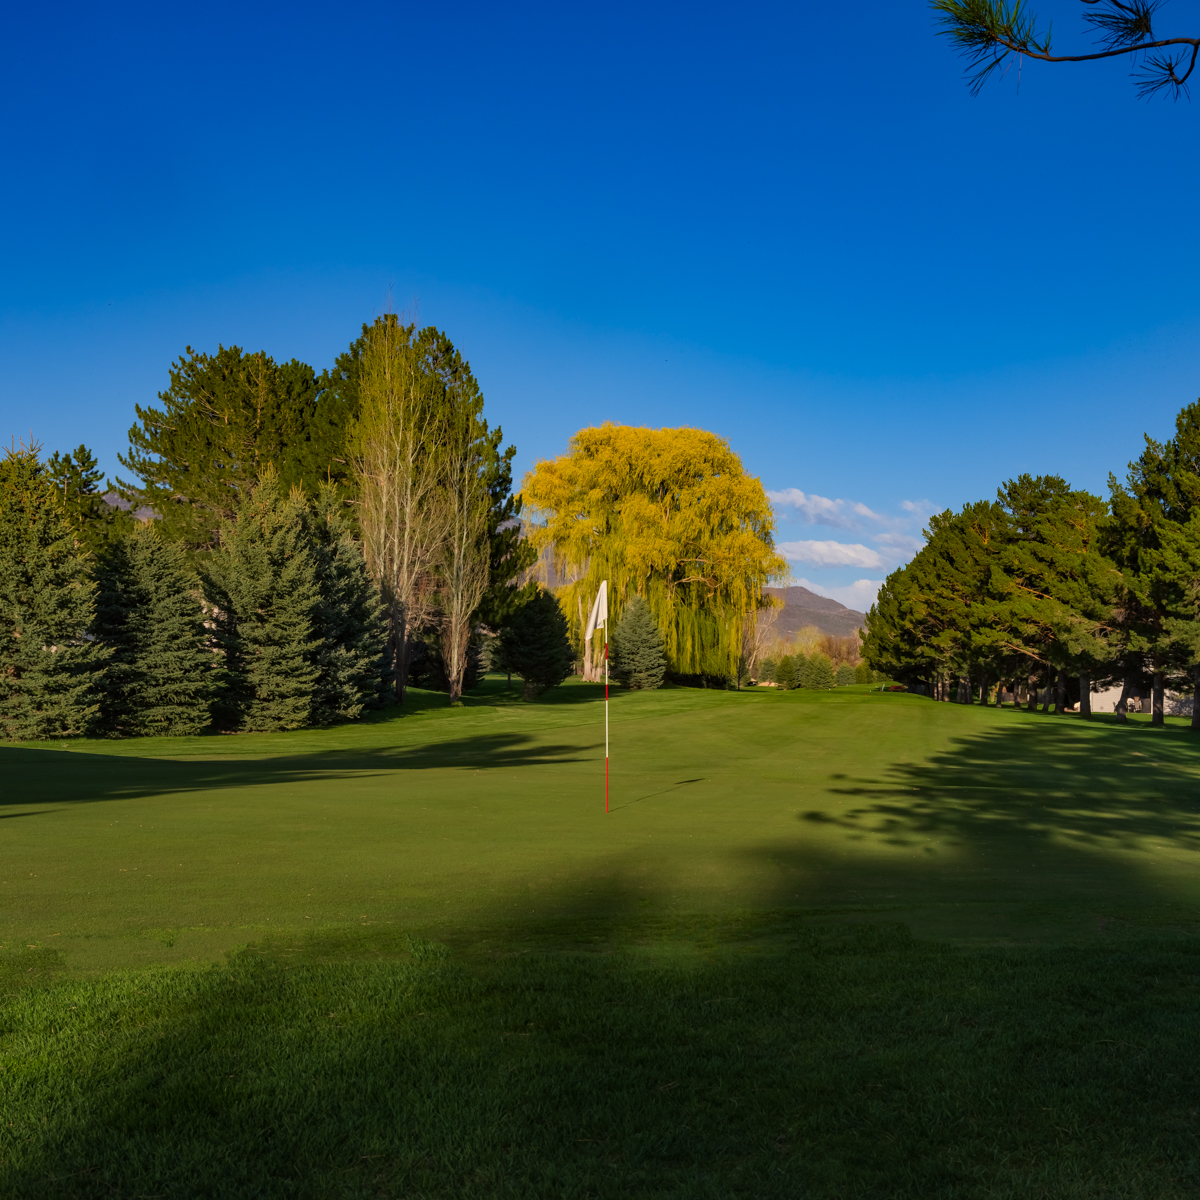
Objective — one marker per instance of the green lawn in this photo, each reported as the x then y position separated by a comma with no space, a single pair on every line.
850,944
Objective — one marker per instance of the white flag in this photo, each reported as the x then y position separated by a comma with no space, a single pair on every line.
599,611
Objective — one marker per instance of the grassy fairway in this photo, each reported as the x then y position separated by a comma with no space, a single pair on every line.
840,945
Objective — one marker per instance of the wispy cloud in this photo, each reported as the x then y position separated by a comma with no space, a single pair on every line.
831,554
821,510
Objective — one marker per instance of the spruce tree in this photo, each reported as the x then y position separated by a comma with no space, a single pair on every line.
163,674
785,673
348,617
262,583
639,661
766,670
845,675
49,670
536,647
818,671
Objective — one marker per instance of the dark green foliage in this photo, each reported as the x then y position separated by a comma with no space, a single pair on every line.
348,618
536,646
163,674
225,419
262,583
636,649
767,669
817,672
76,479
845,675
49,671
786,675
864,674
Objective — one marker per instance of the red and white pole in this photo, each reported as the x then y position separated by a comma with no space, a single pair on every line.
606,716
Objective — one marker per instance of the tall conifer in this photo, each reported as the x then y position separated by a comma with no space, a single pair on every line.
163,673
49,671
262,582
348,618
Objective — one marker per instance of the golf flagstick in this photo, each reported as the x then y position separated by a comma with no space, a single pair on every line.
599,616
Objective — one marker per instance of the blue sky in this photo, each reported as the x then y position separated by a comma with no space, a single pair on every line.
798,230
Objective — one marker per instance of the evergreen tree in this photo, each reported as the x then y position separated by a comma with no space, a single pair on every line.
637,648
49,671
536,646
76,478
225,419
786,675
845,675
767,669
163,675
348,617
262,584
864,674
818,671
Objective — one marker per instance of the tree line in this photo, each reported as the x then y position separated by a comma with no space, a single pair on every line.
1050,587
318,542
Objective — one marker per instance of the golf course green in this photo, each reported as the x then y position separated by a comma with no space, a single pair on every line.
823,944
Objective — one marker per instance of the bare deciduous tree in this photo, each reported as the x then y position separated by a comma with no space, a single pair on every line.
463,559
403,517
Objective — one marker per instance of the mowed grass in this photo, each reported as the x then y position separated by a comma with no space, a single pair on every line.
850,944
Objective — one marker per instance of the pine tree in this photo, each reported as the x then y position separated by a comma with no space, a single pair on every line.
637,648
536,647
845,675
76,478
162,677
818,671
766,671
348,618
262,583
49,671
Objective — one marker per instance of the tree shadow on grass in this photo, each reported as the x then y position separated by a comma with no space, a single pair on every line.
852,1061
34,776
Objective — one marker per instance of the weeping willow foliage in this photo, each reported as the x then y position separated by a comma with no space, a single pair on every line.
666,514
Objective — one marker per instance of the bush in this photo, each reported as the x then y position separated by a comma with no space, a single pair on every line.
863,674
536,647
845,675
637,648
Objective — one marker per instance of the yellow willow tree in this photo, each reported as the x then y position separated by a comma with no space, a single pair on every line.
667,514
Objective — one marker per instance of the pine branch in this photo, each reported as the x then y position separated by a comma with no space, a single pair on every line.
986,32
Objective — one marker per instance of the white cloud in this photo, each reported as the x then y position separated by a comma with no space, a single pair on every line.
859,595
831,554
921,509
820,510
901,545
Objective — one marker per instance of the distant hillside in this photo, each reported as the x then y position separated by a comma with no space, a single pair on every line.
802,608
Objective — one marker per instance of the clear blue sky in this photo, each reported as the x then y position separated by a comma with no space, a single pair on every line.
797,230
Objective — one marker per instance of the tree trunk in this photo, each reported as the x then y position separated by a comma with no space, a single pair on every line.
1085,695
1123,703
1156,703
1031,704
1196,696
1060,691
